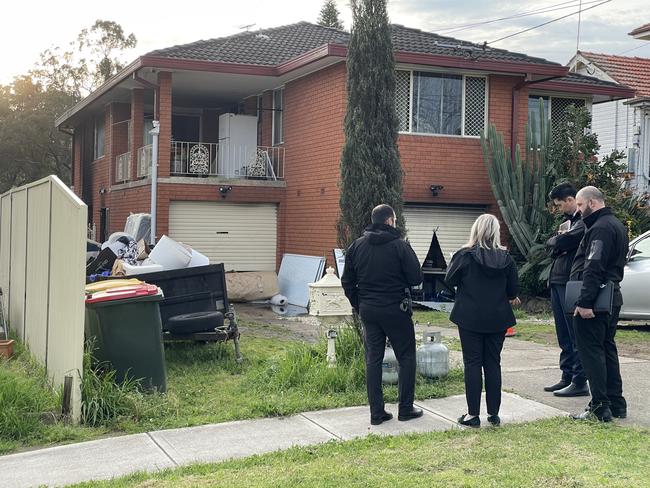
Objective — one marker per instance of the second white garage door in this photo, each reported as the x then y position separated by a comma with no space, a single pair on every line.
453,225
242,236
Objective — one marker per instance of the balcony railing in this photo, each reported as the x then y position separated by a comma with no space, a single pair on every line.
122,164
144,161
227,160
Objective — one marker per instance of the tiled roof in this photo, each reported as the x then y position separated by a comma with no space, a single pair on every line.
270,47
586,80
639,30
631,71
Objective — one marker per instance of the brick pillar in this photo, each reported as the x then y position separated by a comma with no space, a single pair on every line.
108,145
165,117
137,124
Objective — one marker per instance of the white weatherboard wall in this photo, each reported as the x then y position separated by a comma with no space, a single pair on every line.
242,236
613,122
42,275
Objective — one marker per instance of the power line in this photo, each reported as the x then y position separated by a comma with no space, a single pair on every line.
644,44
546,23
528,13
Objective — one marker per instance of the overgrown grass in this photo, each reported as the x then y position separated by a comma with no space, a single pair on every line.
551,453
206,385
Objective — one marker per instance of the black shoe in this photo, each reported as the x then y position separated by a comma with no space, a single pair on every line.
474,422
619,413
602,413
384,417
411,414
557,386
495,420
573,390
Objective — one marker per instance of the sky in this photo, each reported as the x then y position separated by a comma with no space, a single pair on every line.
31,26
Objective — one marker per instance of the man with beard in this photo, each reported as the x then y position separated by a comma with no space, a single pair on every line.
600,259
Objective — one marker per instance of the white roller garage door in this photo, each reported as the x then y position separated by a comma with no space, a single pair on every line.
453,225
242,236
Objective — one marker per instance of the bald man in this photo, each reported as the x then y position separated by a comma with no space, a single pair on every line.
600,259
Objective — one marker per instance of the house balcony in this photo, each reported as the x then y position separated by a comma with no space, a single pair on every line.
201,159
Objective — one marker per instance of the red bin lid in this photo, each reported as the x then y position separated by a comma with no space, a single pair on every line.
131,291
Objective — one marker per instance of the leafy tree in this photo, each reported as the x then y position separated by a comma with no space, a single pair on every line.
30,146
370,167
91,59
329,15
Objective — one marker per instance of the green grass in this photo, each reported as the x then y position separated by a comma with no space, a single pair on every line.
550,453
206,385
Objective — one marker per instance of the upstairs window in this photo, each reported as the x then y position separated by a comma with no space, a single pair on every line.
98,151
441,103
278,122
554,110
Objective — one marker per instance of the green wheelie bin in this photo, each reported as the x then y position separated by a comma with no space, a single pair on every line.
125,325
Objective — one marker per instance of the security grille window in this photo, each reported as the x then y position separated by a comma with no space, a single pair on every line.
99,138
474,105
403,98
278,125
437,103
555,110
559,116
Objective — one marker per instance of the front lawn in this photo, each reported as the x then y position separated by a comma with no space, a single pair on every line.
206,385
549,453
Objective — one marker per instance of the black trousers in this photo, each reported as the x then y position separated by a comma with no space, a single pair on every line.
569,360
392,322
599,357
482,355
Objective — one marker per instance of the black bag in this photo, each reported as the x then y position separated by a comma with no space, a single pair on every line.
604,300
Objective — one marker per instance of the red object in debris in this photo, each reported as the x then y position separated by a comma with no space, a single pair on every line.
122,292
511,332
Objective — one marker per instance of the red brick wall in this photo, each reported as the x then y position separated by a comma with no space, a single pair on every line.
314,108
137,128
165,116
77,162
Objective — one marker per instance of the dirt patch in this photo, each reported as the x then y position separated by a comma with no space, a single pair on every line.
261,321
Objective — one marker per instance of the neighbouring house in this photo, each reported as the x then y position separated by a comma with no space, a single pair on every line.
251,132
623,125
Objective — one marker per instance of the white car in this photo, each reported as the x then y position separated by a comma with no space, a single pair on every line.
635,286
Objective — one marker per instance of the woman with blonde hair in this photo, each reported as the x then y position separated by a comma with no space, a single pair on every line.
485,277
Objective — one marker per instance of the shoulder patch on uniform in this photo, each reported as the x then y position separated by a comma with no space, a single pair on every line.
595,250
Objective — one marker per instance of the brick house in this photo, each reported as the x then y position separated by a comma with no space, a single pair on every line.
251,132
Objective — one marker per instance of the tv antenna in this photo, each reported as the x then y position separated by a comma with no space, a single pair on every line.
247,27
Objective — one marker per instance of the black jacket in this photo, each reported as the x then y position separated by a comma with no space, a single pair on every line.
601,256
563,249
378,267
485,281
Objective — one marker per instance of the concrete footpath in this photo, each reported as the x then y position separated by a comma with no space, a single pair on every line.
527,367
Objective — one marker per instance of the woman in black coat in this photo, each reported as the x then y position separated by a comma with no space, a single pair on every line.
485,277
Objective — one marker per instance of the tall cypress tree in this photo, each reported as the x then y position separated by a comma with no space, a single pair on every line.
370,167
329,15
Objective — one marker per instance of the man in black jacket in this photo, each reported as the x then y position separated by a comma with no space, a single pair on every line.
380,268
600,258
563,247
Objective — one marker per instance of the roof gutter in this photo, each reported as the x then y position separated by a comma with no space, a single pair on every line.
516,91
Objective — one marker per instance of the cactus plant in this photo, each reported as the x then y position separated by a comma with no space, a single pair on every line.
521,186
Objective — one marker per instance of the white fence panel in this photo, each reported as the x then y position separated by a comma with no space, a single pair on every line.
18,238
37,267
42,261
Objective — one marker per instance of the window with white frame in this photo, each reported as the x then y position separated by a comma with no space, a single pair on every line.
98,151
440,103
278,125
